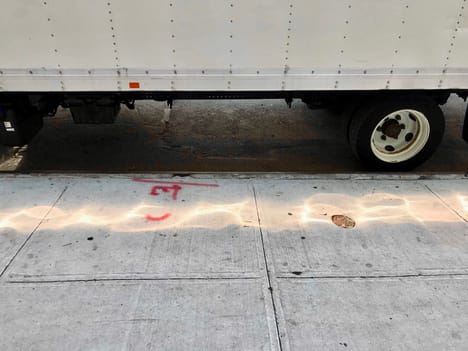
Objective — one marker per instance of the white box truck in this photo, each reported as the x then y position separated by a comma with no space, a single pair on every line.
388,63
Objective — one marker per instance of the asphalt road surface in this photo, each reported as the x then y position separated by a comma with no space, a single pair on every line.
216,136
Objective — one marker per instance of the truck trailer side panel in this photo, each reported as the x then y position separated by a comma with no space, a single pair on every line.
236,45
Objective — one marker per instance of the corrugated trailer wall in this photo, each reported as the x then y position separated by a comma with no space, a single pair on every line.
236,45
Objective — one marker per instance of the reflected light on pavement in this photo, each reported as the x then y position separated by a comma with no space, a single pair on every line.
464,202
131,219
276,215
377,207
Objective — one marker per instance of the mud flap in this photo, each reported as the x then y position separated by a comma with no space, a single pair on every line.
465,127
17,128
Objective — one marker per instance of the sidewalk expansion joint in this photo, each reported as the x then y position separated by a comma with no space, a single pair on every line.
268,273
97,280
377,277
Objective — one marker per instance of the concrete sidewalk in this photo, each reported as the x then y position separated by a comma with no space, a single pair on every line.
233,263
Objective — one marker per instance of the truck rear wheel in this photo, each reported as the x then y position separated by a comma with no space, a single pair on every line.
396,134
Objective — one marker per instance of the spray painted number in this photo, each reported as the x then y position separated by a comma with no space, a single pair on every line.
167,187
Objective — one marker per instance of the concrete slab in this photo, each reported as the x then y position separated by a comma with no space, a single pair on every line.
23,205
375,314
118,227
170,315
401,228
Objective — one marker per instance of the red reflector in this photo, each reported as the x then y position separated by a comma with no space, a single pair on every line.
134,85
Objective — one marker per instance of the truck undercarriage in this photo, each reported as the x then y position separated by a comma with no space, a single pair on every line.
394,138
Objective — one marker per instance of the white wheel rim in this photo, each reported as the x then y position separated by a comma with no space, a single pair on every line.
400,136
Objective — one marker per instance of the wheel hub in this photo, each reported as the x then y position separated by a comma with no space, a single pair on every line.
400,136
392,128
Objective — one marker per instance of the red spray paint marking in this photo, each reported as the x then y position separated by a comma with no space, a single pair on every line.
141,180
158,219
175,188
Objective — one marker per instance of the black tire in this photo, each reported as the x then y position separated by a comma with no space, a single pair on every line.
371,113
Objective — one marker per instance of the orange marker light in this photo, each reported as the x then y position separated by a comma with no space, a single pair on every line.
134,85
